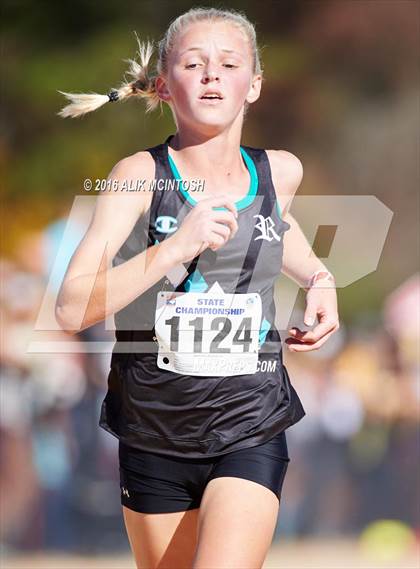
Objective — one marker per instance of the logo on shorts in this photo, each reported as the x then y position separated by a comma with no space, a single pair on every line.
266,226
125,492
166,224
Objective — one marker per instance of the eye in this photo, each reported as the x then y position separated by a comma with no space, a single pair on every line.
191,65
230,66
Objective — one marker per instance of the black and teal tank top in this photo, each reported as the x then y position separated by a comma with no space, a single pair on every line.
181,414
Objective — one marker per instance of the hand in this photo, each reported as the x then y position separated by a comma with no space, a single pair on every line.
205,227
321,302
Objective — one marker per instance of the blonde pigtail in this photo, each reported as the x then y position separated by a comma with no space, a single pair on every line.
82,103
143,86
144,82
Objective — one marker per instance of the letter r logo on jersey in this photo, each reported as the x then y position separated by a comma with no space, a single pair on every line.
266,226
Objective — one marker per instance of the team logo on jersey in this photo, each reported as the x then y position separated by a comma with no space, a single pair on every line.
266,226
166,224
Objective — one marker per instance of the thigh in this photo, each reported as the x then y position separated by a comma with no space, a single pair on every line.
162,540
237,520
160,496
240,506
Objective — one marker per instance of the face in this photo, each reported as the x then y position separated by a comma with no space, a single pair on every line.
209,58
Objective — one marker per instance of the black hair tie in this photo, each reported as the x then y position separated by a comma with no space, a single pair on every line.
113,95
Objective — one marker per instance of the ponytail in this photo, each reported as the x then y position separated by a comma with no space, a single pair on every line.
143,86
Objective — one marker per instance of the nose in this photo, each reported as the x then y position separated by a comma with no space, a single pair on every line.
210,75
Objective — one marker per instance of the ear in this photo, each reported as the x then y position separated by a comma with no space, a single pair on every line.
162,89
255,89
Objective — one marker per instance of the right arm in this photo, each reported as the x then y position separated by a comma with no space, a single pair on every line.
92,289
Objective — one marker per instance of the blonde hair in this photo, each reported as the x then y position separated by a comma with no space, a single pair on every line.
143,83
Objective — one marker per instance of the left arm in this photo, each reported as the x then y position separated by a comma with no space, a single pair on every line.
299,261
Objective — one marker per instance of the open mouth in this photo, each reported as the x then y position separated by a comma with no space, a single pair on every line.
211,100
211,96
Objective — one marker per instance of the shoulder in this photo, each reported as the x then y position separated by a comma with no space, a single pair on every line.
131,172
140,163
287,174
128,181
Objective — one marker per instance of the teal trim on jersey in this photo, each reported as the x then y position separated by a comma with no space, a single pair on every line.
265,327
157,241
240,204
278,209
196,282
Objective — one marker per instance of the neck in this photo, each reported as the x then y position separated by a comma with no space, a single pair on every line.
216,158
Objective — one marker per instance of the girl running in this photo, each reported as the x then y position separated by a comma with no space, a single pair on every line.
198,394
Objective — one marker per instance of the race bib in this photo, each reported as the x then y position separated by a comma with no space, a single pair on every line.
208,334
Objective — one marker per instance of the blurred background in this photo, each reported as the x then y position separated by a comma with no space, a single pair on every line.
342,93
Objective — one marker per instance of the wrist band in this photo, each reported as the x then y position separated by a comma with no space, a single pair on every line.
321,274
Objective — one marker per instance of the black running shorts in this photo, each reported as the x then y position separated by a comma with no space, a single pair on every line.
156,483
